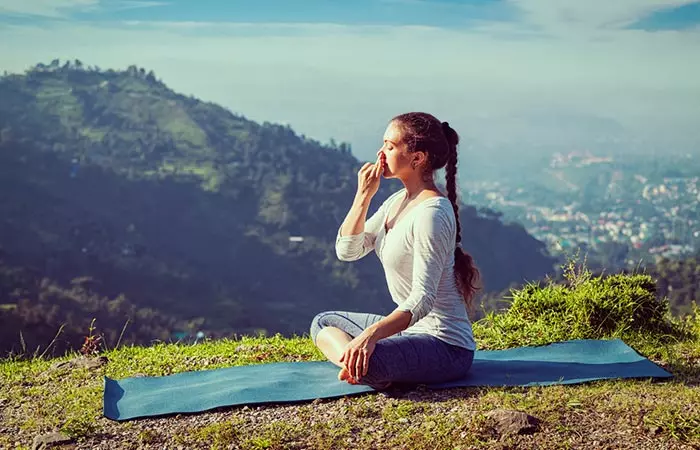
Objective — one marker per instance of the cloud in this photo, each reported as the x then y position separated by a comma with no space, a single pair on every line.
46,8
574,16
134,4
62,8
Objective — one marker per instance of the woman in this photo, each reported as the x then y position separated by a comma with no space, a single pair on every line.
416,235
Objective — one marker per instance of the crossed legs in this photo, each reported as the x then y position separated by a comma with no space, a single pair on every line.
402,358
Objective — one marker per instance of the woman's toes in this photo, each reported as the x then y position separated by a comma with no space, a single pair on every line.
343,374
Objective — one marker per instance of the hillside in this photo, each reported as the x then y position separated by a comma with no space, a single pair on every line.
39,396
162,215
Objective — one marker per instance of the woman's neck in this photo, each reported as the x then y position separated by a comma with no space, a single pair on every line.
415,185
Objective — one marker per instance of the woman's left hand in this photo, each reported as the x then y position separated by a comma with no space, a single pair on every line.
356,355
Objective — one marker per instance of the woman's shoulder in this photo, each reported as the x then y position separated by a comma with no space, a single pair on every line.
438,202
437,206
437,210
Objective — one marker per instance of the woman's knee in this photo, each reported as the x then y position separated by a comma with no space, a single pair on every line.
321,335
317,324
350,322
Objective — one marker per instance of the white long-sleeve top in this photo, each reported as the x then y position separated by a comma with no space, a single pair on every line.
418,259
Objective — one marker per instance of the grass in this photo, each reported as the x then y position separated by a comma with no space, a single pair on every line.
586,307
38,399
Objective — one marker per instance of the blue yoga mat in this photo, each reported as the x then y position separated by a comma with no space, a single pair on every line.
188,392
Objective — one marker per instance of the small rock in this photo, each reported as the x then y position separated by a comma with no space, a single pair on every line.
45,441
513,422
402,420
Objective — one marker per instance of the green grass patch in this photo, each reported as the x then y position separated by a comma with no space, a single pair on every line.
586,307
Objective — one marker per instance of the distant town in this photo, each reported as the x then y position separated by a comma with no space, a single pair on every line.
626,213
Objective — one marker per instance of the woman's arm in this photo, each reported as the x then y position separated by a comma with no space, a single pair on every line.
394,323
368,178
433,250
356,236
354,222
351,247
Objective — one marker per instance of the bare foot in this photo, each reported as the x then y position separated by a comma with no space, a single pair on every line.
344,375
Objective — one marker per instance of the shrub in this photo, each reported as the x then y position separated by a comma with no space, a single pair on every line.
584,307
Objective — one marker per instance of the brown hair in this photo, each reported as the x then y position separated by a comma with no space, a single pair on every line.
424,132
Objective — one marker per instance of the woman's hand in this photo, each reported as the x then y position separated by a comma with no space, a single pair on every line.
355,358
368,178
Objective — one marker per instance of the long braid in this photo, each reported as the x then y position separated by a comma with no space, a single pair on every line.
466,273
451,173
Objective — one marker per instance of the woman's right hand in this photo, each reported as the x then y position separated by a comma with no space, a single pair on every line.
368,178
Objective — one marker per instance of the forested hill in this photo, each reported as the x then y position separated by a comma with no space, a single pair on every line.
120,198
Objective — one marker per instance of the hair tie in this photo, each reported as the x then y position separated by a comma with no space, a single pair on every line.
445,127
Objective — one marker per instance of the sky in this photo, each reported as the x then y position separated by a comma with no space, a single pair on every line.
513,77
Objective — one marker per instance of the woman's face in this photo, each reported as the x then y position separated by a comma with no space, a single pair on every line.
393,151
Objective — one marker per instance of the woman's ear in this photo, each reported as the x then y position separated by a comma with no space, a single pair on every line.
419,159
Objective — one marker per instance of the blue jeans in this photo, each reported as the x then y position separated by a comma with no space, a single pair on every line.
401,358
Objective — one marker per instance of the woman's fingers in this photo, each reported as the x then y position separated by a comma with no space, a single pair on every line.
356,362
365,364
353,362
350,363
374,170
360,364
